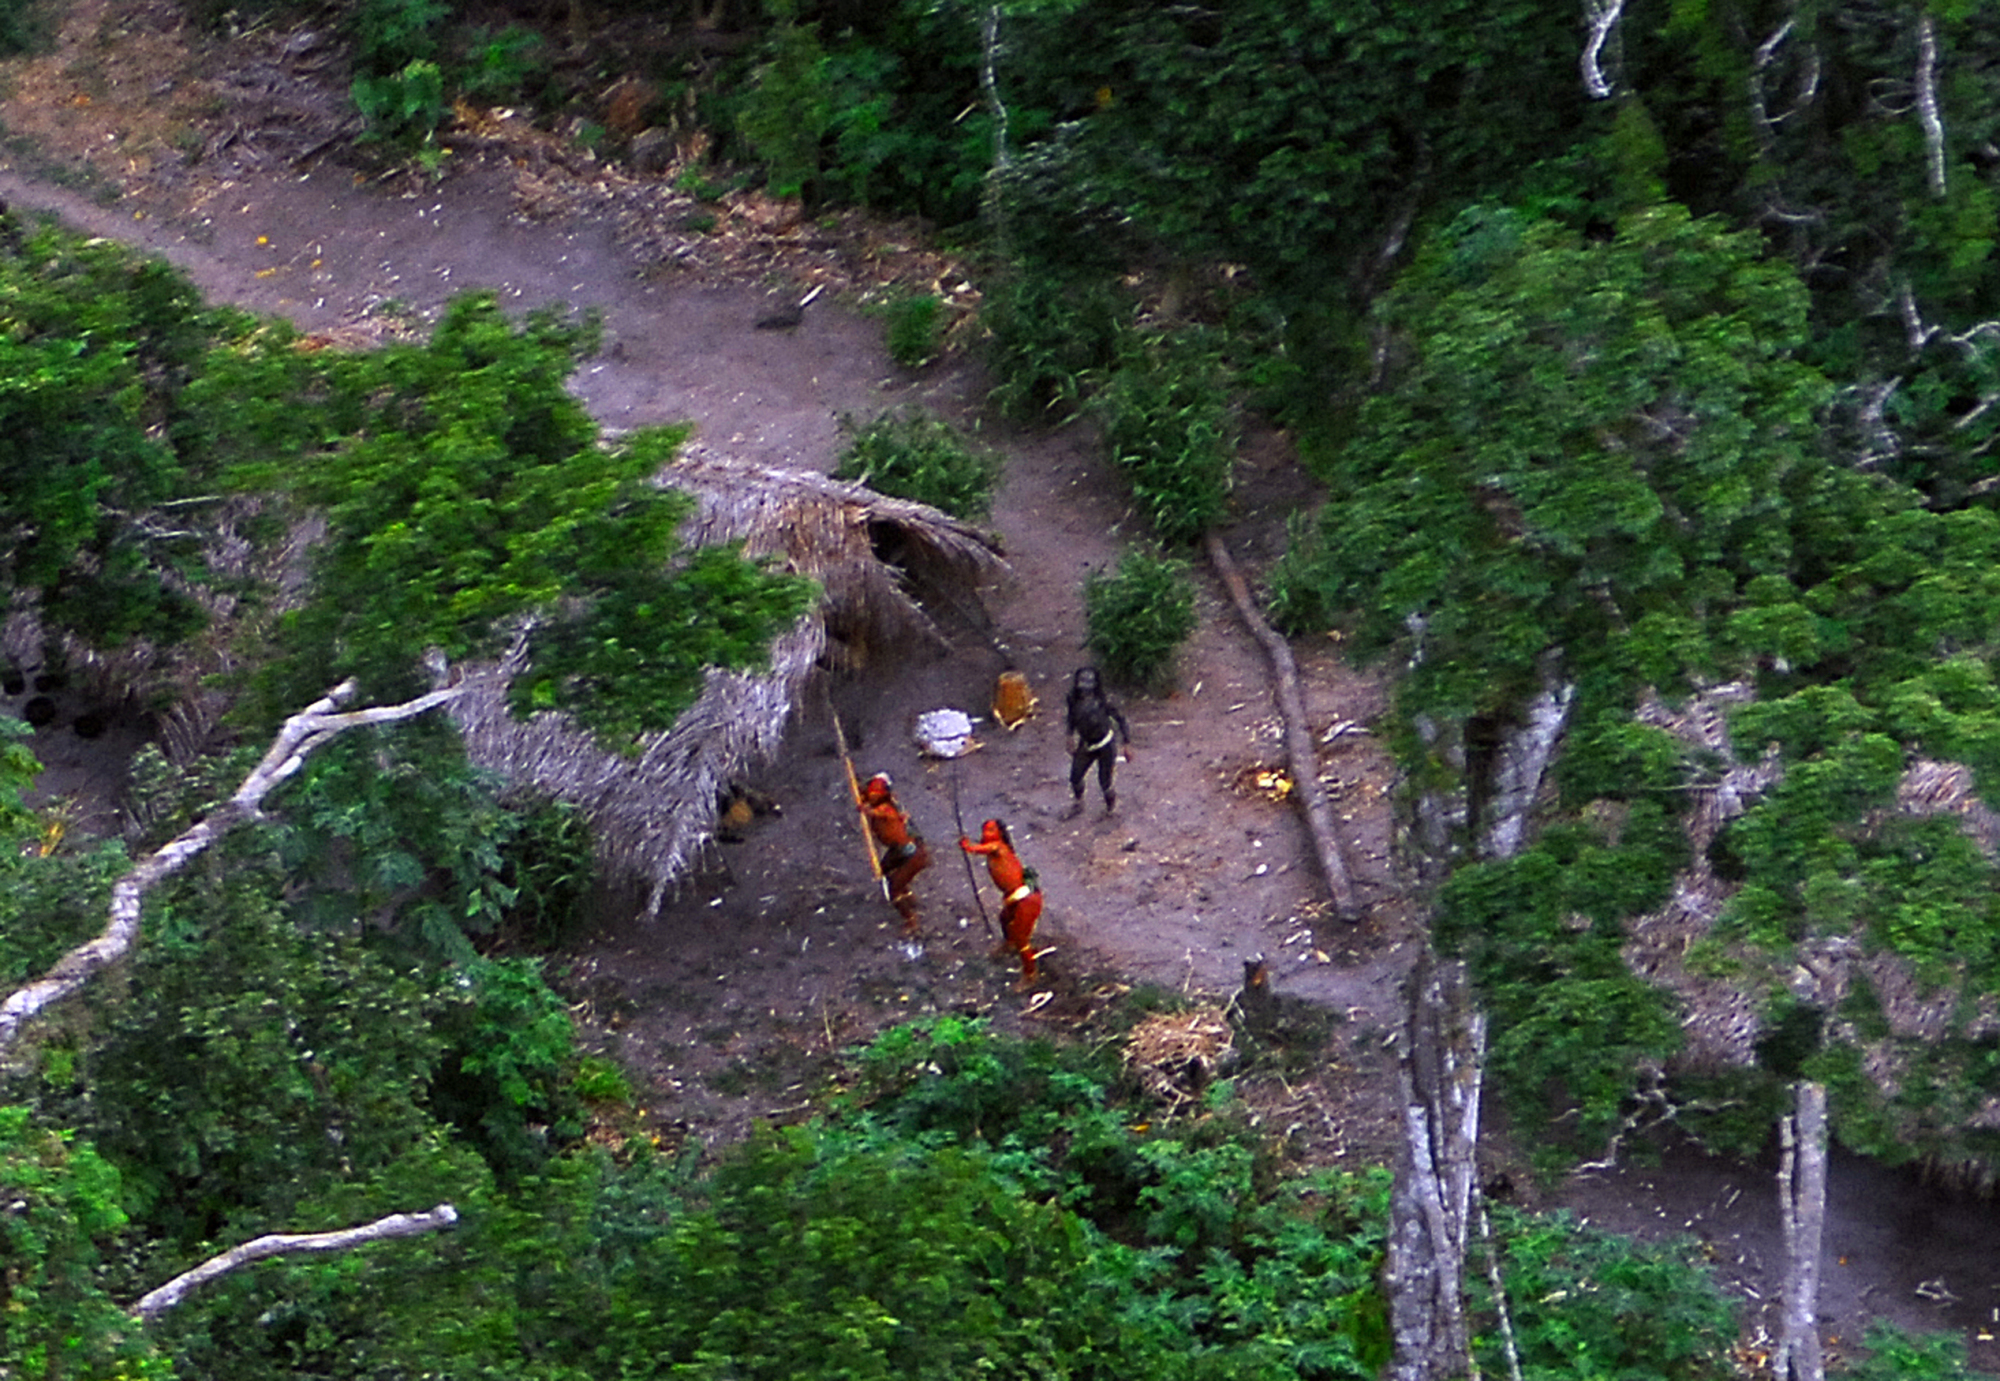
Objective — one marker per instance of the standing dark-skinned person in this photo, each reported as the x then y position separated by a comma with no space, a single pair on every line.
1095,729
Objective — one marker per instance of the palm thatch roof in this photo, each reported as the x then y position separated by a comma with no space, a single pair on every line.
653,814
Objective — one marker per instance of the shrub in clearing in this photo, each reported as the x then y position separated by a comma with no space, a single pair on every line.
913,455
1051,331
1171,431
916,330
1138,614
24,28
1588,1303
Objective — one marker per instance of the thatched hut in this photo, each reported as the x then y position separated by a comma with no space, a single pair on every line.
873,556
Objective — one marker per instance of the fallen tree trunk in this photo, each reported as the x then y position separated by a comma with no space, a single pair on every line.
1304,759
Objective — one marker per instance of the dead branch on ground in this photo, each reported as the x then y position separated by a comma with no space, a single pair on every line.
1298,733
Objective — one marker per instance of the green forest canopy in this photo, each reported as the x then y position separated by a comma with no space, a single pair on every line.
1697,381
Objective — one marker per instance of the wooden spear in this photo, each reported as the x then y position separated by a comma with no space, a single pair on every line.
860,809
971,878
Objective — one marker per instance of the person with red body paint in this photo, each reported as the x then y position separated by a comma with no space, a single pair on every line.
903,852
1021,894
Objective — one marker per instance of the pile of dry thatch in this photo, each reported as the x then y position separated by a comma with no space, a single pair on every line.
1177,1055
872,555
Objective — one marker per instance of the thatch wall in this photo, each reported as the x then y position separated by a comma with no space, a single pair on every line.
655,813
174,686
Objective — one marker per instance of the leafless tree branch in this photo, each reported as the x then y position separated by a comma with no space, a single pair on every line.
1602,16
1927,101
1760,62
1768,49
1881,439
1920,333
157,1302
1786,216
1652,1109
1914,328
1766,52
295,741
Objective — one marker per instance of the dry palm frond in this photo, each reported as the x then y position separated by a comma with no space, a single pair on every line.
653,814
1178,1054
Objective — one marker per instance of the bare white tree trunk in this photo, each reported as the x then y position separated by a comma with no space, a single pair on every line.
1443,1054
1501,1308
1523,762
1602,16
1802,1203
157,1302
989,87
1003,155
300,735
1806,90
1927,101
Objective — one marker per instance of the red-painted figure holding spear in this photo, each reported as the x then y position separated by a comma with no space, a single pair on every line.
895,851
1021,894
903,854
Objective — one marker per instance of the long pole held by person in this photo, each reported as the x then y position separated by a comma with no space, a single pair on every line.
860,810
971,878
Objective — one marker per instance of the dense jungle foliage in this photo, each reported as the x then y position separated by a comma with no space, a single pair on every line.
1652,377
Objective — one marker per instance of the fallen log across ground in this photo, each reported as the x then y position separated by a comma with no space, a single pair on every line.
1304,759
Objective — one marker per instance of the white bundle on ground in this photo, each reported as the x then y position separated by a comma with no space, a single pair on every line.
945,733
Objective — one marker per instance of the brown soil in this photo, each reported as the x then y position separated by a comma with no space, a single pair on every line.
734,1004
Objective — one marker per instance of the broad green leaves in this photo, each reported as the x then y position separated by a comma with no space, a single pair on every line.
1170,427
461,492
917,455
96,348
64,1214
1588,442
466,501
1598,460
